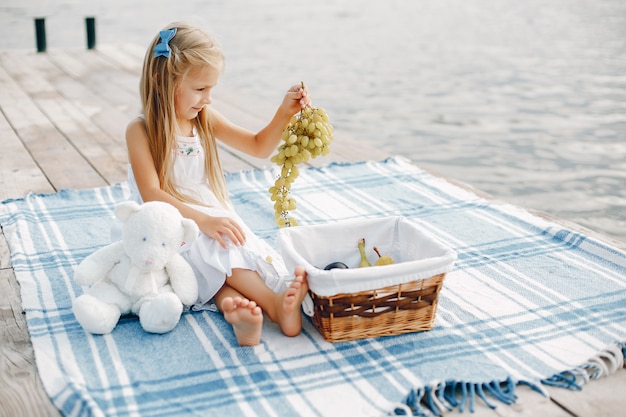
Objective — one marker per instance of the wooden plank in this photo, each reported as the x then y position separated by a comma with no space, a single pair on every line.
124,58
600,397
109,117
23,69
93,86
232,162
21,391
58,159
102,151
136,51
529,404
19,173
5,254
580,229
107,156
72,115
100,76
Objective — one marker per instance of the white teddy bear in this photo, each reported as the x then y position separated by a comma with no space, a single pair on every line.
143,273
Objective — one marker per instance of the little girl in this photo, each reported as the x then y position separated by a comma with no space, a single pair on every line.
174,158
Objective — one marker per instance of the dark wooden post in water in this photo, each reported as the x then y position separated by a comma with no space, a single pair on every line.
40,34
90,25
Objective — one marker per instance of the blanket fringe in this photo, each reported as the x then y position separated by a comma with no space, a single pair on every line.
437,398
604,363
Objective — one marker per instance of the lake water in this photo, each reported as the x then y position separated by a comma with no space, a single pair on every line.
524,100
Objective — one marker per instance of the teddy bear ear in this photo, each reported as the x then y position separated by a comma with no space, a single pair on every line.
125,209
191,230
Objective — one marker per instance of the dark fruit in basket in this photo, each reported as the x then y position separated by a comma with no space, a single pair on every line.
336,265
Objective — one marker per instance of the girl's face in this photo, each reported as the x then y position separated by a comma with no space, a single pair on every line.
194,92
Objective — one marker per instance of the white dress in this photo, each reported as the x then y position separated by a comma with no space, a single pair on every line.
210,261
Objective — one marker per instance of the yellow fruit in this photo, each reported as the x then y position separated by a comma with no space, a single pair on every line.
364,261
383,260
307,136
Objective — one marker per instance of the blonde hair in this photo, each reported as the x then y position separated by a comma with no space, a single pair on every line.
189,48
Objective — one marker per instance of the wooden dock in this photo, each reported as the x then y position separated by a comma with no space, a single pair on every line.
62,119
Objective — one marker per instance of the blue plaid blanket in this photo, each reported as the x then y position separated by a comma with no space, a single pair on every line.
528,301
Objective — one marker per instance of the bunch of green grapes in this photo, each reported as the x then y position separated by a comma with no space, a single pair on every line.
307,136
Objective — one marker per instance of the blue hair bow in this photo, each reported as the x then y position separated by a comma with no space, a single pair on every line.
163,48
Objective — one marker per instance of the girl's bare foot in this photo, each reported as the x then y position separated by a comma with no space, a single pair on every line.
289,315
246,318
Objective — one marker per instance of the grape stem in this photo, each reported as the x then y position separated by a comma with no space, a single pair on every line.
302,110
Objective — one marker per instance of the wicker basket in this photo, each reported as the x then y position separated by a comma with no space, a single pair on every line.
394,310
398,309
358,303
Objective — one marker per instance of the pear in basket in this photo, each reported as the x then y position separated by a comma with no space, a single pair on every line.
383,260
364,261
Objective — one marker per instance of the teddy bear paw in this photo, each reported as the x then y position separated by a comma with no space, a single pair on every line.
161,314
94,315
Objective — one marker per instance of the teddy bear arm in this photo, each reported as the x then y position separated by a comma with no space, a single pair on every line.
182,279
96,266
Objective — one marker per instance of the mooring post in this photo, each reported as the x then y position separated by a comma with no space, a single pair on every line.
90,24
40,34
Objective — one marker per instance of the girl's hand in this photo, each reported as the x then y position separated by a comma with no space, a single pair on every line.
219,228
297,98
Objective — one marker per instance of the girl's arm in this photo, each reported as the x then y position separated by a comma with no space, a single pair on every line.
263,143
148,183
